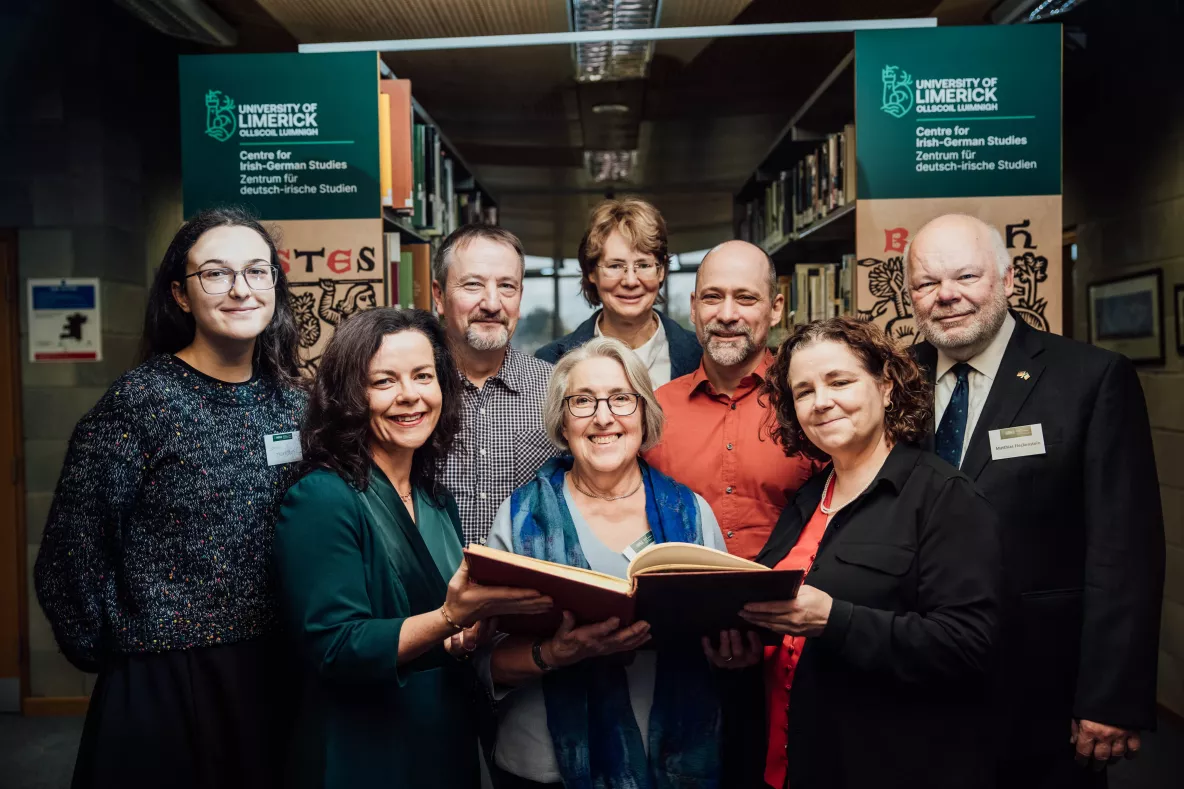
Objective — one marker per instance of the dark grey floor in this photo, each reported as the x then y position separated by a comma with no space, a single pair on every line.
38,753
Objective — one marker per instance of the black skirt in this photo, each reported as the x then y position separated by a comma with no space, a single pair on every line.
201,718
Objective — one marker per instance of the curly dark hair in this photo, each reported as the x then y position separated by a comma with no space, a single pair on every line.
911,402
168,328
336,431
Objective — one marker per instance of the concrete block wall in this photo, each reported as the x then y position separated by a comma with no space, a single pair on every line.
1124,193
89,177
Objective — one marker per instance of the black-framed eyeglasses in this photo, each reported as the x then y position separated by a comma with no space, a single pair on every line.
216,281
621,403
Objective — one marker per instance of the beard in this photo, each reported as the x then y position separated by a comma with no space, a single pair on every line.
985,323
728,354
479,341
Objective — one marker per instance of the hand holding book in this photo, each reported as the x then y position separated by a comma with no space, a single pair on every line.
571,644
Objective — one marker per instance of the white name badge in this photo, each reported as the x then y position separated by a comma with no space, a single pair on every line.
283,448
1017,442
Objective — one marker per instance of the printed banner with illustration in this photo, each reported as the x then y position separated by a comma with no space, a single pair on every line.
966,120
292,136
334,268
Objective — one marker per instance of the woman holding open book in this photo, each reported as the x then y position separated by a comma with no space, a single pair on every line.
586,710
882,676
365,547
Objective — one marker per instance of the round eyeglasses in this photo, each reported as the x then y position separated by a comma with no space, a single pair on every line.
644,269
216,281
621,403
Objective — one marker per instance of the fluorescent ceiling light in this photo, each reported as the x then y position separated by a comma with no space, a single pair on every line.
652,34
609,109
607,166
597,60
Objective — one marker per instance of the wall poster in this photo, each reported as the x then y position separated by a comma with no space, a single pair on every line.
966,120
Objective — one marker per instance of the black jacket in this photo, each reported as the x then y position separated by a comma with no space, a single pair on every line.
893,693
684,346
1082,537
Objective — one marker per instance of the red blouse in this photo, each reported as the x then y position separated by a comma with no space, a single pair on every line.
781,661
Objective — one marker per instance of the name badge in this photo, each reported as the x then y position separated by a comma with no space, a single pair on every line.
640,544
283,448
1017,442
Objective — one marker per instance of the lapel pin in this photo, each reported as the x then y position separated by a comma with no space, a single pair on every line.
1023,374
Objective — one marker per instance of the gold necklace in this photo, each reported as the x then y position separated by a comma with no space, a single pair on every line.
575,480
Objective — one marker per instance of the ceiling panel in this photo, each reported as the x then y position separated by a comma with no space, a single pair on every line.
365,20
706,115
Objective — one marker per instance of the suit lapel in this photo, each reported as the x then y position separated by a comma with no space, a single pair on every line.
1009,392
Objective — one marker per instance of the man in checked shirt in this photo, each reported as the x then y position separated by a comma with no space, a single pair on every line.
477,287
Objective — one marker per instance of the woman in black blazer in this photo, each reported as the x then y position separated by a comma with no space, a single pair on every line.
888,643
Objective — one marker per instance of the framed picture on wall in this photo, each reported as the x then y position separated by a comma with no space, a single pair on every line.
1180,319
1126,315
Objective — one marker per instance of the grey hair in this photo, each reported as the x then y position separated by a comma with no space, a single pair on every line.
999,250
773,291
466,234
636,373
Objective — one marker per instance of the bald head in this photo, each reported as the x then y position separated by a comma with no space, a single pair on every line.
960,280
961,232
740,253
734,304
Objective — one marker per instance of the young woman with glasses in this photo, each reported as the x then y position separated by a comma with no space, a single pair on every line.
154,565
624,258
644,718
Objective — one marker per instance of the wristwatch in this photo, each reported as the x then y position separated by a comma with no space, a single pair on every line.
536,652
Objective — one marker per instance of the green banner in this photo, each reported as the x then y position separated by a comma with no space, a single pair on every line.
293,136
958,111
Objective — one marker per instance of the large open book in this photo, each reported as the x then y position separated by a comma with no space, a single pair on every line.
681,589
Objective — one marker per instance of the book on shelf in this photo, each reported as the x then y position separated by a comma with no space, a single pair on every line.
401,167
419,137
384,149
421,276
406,278
393,252
820,291
819,183
680,589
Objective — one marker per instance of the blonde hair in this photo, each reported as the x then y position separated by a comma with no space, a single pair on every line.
635,372
642,227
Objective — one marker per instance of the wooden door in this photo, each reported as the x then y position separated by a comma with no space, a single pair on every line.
13,614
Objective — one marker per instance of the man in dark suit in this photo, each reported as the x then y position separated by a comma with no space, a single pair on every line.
1055,433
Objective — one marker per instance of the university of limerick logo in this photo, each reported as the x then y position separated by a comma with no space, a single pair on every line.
220,120
898,91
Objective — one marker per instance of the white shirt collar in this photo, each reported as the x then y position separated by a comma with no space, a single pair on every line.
648,350
987,361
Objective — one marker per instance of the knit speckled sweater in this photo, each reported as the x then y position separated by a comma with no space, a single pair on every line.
161,529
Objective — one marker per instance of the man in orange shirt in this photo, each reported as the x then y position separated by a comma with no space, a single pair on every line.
717,440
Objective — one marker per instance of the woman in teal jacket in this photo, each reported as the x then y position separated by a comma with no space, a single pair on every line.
365,544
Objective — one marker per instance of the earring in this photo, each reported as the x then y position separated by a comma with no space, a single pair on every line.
888,406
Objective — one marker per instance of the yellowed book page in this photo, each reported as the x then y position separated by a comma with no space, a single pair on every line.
682,556
590,577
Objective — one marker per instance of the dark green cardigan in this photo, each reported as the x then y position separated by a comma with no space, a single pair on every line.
348,575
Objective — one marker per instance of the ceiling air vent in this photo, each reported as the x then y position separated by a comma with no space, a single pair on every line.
191,20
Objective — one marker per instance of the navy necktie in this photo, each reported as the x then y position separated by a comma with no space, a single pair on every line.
951,433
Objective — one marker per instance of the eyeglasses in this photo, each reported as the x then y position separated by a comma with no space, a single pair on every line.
215,281
621,404
644,269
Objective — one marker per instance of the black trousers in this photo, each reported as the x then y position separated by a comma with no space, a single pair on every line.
203,718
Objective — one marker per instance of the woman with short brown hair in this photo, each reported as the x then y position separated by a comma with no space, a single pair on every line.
887,646
624,258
